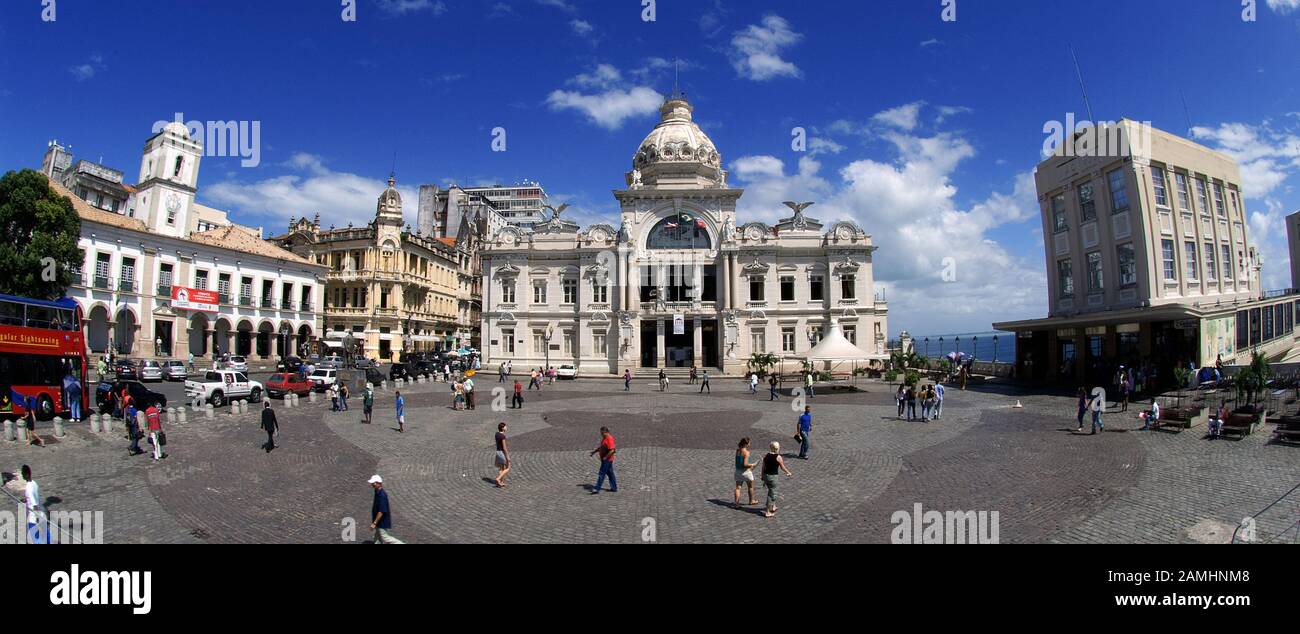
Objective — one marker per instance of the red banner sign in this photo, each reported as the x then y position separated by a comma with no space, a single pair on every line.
194,299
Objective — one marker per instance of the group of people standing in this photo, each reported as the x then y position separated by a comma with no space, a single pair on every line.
930,396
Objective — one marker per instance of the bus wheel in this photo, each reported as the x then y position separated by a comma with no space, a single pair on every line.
44,408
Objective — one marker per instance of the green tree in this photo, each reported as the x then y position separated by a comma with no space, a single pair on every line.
761,362
39,229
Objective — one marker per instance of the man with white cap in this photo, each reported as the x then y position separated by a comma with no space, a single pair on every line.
381,517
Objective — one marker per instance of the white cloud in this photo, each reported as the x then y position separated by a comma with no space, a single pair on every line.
929,42
1267,157
83,72
402,7
1283,6
311,187
756,51
909,204
903,117
611,101
582,27
558,4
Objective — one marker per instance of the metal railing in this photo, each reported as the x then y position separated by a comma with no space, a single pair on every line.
1280,535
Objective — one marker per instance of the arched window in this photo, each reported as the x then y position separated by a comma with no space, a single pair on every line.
679,231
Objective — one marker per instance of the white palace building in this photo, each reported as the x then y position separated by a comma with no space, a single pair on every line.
680,282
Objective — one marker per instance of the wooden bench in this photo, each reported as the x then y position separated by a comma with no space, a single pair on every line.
1239,424
1173,424
1286,434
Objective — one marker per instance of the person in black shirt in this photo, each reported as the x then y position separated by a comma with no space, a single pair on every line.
270,425
503,454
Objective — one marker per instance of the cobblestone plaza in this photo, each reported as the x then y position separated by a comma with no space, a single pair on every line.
674,465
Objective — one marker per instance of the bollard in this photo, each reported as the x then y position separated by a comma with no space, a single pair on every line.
58,428
234,407
243,407
182,416
209,412
9,431
311,396
94,424
171,415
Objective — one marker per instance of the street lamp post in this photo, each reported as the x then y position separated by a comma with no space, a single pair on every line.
975,347
941,346
995,350
956,345
550,331
927,348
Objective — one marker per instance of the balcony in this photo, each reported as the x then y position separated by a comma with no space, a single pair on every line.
305,306
223,298
246,301
286,304
165,290
126,285
102,283
267,302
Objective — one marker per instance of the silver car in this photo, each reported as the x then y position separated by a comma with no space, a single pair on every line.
175,370
150,371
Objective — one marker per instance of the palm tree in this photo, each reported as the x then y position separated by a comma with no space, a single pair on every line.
1253,378
761,362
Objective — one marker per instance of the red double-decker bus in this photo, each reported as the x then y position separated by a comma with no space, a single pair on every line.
41,345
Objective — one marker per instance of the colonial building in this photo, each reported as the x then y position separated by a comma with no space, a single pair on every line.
680,281
1148,261
390,288
159,275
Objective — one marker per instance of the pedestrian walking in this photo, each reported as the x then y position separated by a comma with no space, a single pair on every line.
938,400
381,515
704,384
401,413
627,380
156,434
911,402
458,395
368,403
744,471
517,401
927,402
270,425
693,376
663,380
343,397
1083,407
606,450
901,397
534,382
771,388
803,430
469,393
753,383
501,371
38,526
334,397
772,465
72,392
132,431
808,384
33,438
502,459
1096,419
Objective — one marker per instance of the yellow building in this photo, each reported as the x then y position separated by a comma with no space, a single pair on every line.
392,290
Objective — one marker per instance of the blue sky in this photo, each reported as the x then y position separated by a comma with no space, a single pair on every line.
925,132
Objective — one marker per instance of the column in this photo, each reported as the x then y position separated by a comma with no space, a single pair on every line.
660,353
731,259
726,282
697,346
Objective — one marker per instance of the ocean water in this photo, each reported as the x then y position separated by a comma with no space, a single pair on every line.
979,344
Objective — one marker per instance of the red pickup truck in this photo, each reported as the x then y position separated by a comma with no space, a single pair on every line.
280,384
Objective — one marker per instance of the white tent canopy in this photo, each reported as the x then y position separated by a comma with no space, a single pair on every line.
834,347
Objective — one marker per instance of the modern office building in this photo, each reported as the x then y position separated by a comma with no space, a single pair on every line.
1293,246
1148,261
680,282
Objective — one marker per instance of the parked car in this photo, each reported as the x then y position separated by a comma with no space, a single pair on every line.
566,372
425,368
238,364
292,365
322,379
218,387
281,384
143,396
399,371
125,370
151,371
175,370
373,376
363,363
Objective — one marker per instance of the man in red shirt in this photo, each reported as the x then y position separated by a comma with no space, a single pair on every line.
606,451
517,401
155,431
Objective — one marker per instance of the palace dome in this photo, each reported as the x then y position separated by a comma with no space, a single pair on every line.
677,139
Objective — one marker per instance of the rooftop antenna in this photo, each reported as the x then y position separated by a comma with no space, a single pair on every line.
1186,113
677,71
1087,104
393,173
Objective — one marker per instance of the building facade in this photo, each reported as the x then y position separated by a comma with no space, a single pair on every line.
159,279
1148,261
391,289
1293,246
679,282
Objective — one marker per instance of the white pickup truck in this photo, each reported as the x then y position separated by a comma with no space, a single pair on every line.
222,386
